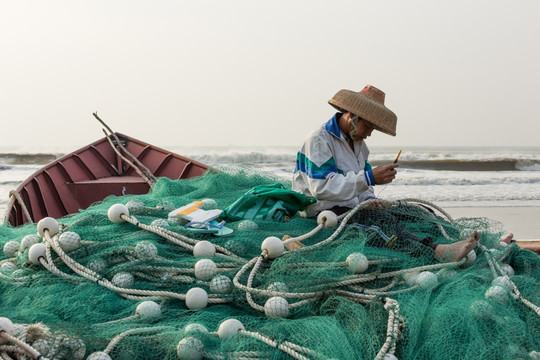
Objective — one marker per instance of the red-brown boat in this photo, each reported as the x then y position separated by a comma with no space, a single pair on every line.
90,174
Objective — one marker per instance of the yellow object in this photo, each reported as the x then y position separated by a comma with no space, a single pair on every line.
397,157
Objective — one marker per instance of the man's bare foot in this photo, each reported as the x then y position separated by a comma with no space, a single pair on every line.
508,238
458,250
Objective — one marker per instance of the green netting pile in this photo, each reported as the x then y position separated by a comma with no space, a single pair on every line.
136,290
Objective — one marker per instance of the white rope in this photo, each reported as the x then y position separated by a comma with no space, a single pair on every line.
392,330
114,342
175,237
23,206
24,346
273,344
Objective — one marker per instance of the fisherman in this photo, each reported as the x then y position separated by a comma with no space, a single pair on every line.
332,167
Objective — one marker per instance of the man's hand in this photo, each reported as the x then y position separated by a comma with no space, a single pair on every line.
384,174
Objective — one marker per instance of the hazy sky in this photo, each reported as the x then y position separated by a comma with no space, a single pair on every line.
248,72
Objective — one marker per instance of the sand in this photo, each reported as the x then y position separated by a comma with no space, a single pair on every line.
522,221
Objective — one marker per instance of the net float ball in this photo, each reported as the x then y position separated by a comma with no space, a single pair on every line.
134,205
229,328
42,346
28,241
534,355
426,280
410,278
502,281
221,284
148,309
327,218
248,225
123,280
482,310
278,287
276,307
69,241
5,326
11,248
447,274
196,299
204,249
274,247
50,224
8,267
97,265
205,269
36,252
194,328
208,204
471,259
190,348
116,211
145,250
236,247
77,347
497,294
508,270
99,355
159,223
166,205
357,263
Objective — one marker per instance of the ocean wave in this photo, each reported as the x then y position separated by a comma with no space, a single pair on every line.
27,159
286,156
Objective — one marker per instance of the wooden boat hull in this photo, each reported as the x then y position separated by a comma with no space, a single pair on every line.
90,174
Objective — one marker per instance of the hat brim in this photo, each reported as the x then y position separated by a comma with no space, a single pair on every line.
382,118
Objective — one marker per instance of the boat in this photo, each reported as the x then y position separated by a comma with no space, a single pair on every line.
90,174
142,286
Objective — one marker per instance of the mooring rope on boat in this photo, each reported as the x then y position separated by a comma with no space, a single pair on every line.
16,195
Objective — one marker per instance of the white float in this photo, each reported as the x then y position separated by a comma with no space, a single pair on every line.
204,249
196,299
327,218
229,328
205,269
50,224
357,263
115,213
274,247
276,307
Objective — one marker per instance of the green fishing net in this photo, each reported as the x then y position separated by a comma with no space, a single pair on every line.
150,288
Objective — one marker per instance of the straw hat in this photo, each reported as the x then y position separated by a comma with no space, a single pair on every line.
369,105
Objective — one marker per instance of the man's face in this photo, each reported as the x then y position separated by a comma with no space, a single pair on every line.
363,130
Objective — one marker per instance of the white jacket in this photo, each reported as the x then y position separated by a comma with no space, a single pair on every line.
328,170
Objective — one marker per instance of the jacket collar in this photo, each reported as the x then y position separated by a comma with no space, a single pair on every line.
332,125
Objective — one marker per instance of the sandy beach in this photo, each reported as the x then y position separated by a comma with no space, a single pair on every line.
522,221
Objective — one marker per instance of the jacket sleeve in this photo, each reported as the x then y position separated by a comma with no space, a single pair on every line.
323,179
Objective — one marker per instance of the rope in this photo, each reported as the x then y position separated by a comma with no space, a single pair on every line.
23,206
114,342
30,350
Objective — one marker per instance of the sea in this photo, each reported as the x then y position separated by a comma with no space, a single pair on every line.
445,176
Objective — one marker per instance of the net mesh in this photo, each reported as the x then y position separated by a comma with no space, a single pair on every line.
134,290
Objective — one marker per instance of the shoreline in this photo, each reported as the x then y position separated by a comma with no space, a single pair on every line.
522,221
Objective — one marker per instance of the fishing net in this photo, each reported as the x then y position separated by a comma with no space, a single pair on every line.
147,287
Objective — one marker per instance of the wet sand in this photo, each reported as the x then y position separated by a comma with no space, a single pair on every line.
522,221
